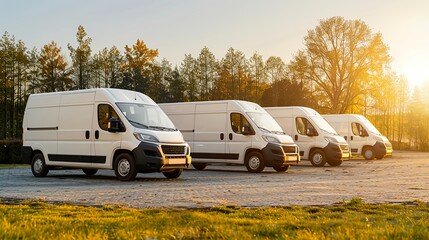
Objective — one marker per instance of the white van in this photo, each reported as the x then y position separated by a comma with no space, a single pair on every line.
317,140
101,129
363,138
233,132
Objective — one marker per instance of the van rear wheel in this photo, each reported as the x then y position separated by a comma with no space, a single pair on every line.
254,162
125,167
199,166
173,174
281,168
38,166
318,158
90,171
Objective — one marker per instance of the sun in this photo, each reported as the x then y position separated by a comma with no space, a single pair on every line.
416,70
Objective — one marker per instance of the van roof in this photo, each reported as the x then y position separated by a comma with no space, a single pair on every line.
297,110
232,104
86,96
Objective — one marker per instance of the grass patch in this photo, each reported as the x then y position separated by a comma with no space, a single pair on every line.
13,165
349,220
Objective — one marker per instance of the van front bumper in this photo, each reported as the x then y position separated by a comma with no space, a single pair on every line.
382,149
274,155
150,157
336,152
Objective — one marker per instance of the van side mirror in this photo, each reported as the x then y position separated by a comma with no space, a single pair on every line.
311,132
247,130
114,125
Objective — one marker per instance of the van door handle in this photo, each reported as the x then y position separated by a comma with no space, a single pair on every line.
296,137
97,134
222,136
230,136
87,134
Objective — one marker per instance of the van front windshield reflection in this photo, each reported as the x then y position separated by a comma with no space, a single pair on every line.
146,116
265,122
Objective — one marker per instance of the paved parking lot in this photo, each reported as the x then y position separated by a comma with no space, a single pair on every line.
402,178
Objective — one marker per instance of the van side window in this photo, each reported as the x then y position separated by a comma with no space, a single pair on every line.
238,122
105,112
303,126
358,130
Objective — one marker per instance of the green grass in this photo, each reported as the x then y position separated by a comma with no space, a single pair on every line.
13,165
348,220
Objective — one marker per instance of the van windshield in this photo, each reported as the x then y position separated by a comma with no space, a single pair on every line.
370,126
146,116
265,122
323,125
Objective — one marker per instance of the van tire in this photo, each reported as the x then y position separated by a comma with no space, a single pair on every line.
90,171
368,153
281,168
318,158
335,163
254,162
38,165
199,166
125,167
173,174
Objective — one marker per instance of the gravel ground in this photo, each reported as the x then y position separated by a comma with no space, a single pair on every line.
401,178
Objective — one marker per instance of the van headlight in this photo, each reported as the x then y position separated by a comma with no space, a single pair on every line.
270,139
331,139
145,137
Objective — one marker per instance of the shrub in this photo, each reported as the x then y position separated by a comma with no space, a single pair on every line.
10,151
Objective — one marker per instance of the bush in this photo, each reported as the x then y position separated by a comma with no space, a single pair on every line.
10,151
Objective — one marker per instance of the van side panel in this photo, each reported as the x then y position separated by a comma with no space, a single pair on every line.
210,136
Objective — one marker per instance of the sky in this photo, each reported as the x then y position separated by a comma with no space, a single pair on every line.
176,28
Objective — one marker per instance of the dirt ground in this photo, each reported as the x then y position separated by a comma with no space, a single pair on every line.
401,178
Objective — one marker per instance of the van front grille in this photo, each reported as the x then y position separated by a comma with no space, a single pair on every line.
173,149
289,149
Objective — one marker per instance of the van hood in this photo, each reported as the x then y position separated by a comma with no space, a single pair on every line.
163,136
339,139
284,138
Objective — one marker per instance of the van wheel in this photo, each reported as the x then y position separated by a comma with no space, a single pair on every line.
254,162
199,166
90,171
38,166
173,174
368,153
125,167
281,168
335,163
318,158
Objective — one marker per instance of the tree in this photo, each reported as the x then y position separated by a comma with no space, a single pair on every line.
343,58
81,57
137,66
233,76
258,77
188,71
206,71
53,70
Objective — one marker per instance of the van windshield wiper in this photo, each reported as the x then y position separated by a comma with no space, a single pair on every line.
163,128
137,123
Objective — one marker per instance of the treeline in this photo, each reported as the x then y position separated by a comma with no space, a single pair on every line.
343,68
